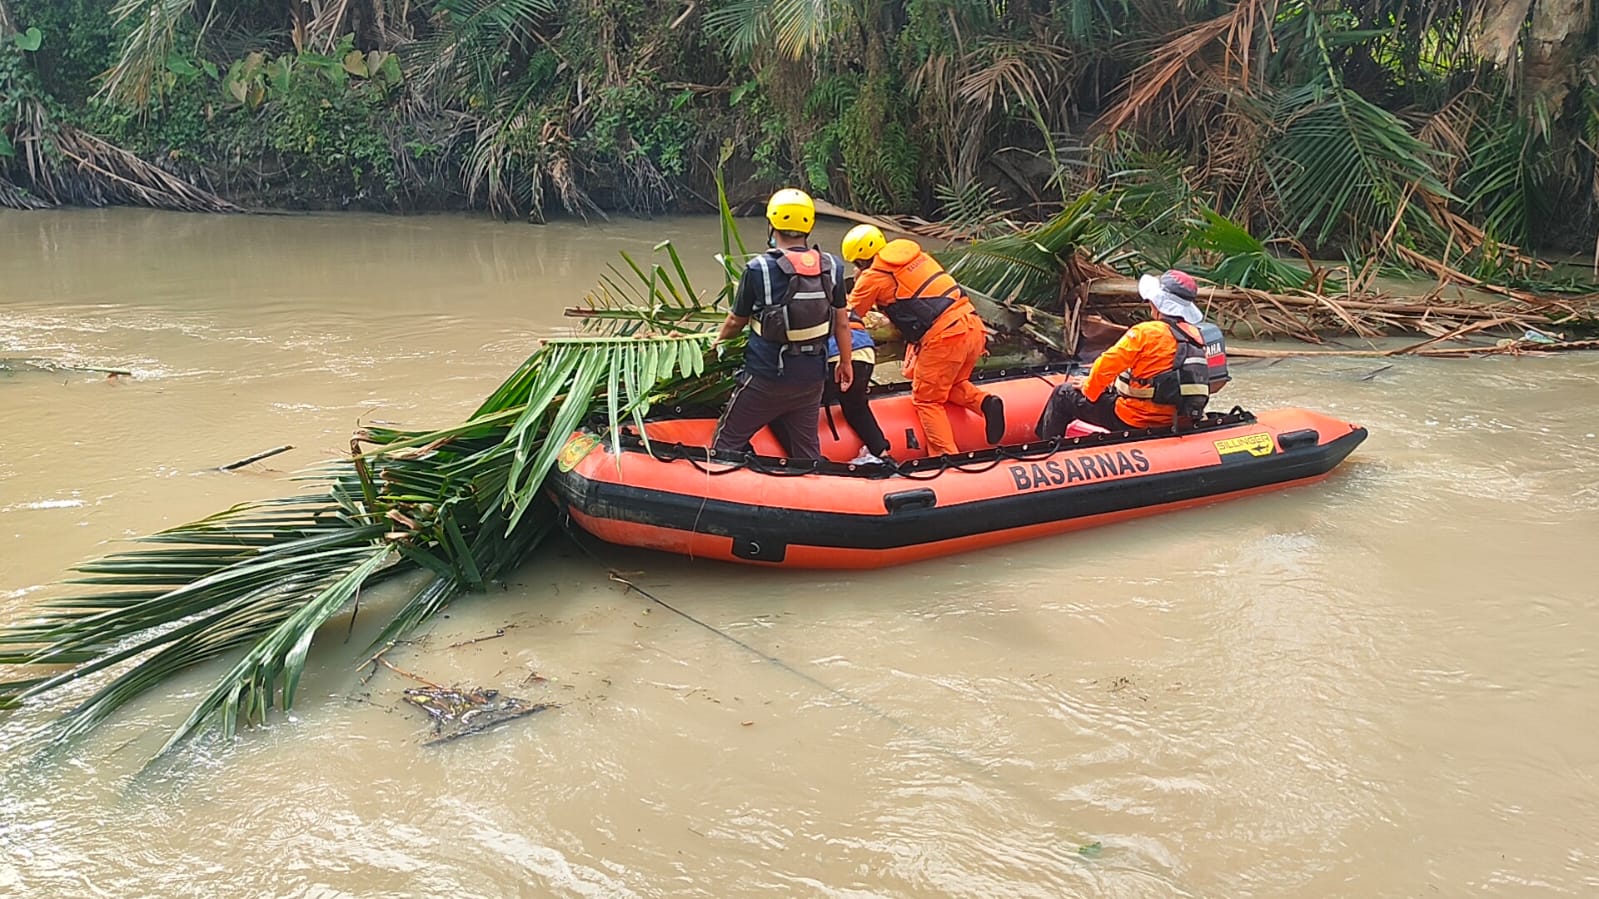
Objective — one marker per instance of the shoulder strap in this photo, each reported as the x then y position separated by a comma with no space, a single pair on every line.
804,262
1179,331
781,260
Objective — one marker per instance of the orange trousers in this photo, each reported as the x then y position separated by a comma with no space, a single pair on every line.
943,374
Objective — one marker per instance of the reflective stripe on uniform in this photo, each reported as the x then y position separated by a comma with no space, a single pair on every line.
805,335
1124,387
800,335
812,333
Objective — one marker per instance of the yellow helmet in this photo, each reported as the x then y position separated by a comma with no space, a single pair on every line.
862,242
791,210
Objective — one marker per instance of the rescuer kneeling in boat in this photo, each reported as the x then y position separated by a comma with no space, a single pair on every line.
1160,369
792,299
937,319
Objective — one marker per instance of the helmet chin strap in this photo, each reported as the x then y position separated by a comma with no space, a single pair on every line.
771,237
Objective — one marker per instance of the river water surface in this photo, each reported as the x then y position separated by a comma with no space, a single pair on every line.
1383,685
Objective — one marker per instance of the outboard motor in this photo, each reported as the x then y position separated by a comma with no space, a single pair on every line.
1215,355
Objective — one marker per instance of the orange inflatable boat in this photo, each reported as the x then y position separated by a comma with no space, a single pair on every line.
671,493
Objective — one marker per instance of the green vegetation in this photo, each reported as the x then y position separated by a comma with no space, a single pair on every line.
1462,132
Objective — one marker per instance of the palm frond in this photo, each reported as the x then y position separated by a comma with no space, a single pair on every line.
1503,180
204,590
1237,258
1170,75
661,301
134,77
970,209
1030,262
1151,195
740,25
794,28
1341,162
463,54
801,27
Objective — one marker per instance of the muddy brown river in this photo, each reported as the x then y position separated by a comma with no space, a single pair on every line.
1382,685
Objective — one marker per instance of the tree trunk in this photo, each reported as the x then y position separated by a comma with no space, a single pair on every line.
1556,32
1500,29
1558,35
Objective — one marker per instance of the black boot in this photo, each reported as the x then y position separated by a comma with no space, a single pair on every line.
1056,414
994,419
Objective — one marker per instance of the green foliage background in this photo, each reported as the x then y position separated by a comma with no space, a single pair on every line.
1330,123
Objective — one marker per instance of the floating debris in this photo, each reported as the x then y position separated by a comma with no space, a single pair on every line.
457,713
18,365
264,454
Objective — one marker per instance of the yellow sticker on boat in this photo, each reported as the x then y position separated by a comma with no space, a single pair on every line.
1253,444
577,446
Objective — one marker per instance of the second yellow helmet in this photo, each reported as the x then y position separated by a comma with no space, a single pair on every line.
791,210
862,242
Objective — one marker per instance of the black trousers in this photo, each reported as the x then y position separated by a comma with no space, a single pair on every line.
790,408
1067,403
857,411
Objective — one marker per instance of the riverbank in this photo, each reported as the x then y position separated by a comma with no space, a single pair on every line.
1338,131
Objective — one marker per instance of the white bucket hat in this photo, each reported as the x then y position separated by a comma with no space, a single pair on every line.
1173,293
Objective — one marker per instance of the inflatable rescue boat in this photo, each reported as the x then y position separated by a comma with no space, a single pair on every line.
671,493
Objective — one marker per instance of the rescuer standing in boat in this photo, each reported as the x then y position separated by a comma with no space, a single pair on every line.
1158,369
932,313
792,299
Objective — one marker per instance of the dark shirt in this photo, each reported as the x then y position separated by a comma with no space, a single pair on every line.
763,281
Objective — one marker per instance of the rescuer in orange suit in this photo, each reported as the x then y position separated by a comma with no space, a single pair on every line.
936,318
1118,393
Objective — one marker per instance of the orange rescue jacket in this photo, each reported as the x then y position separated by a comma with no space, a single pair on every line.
911,288
1146,350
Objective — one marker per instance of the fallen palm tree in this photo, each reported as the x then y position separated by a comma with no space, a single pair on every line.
461,505
1047,283
1503,347
455,508
1044,286
1309,315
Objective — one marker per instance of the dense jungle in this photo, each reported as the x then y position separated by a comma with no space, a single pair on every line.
1412,133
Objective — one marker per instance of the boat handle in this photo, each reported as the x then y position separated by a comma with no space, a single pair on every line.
920,498
1296,439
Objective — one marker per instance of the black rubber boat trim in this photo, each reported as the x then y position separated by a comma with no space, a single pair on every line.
768,530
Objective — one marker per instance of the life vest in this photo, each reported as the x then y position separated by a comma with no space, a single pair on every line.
801,319
923,290
1199,369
